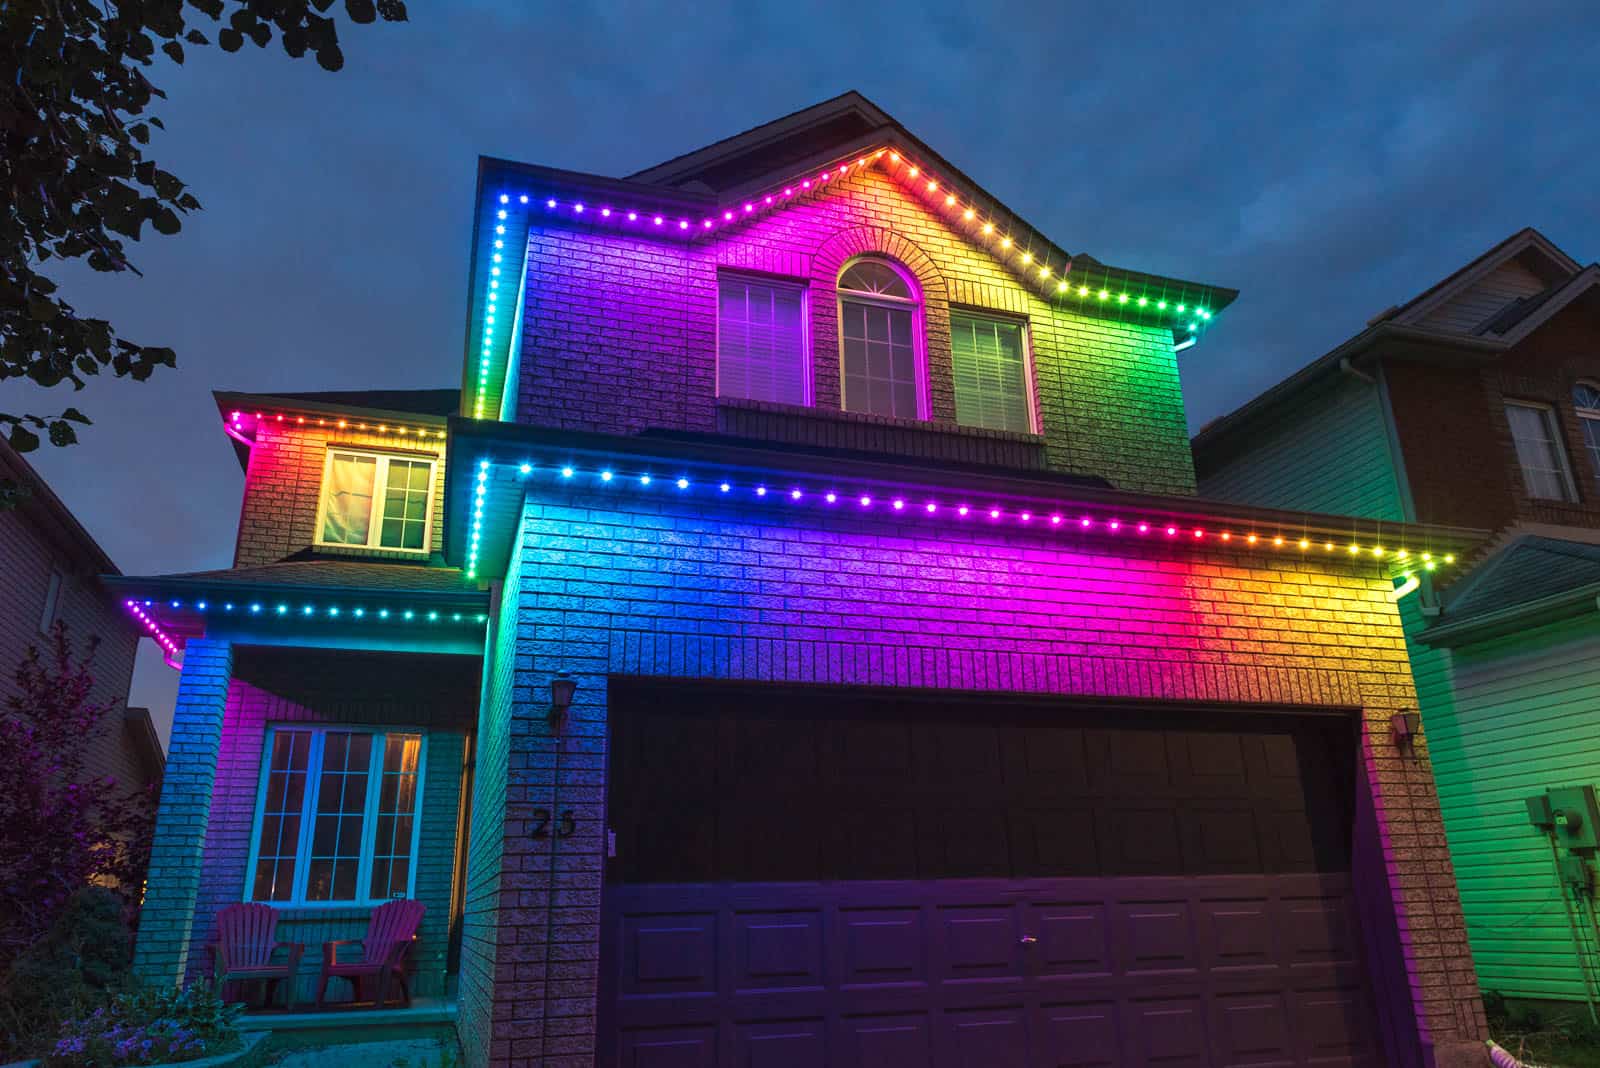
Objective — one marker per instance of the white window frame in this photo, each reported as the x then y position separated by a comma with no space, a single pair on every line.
919,327
807,384
308,810
380,485
1028,384
1588,417
52,600
1552,426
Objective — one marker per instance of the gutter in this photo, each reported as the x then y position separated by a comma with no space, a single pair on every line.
1500,622
465,598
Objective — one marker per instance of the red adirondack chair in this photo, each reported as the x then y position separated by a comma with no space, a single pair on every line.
246,943
390,932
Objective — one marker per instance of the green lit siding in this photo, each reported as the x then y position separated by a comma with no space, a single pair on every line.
1524,715
1328,451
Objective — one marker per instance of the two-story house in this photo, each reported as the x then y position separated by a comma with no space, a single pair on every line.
50,568
1477,403
804,646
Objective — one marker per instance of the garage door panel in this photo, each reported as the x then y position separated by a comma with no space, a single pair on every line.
1253,1028
969,841
1079,1034
670,1047
1170,1031
1222,837
872,843
669,953
1074,939
1334,1026
883,1040
785,1044
883,947
1157,936
1238,934
1321,930
778,950
985,1038
978,943
1046,761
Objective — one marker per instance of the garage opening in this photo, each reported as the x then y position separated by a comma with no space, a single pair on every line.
826,878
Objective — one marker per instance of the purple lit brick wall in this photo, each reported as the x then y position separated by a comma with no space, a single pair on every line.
619,335
628,585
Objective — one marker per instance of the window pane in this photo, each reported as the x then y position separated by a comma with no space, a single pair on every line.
1591,441
396,815
341,809
880,365
405,505
874,276
760,342
278,837
350,482
991,382
1538,451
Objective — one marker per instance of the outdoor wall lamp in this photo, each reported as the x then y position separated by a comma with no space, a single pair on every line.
562,687
1405,726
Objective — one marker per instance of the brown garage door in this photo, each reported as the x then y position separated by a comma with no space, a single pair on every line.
806,880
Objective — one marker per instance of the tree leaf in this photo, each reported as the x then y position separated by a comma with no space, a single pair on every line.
23,439
174,51
230,39
76,416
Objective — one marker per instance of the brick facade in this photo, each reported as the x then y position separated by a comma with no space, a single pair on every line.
1456,444
283,489
609,588
619,334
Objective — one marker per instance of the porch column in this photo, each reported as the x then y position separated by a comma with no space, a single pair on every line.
167,918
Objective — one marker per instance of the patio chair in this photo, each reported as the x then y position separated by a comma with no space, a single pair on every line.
245,945
390,932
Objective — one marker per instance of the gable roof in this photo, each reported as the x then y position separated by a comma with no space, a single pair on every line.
1404,334
702,193
414,407
1534,579
40,505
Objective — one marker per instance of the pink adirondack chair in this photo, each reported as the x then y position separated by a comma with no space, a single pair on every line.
247,940
390,932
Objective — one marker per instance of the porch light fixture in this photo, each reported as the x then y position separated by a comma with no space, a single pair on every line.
562,687
1405,726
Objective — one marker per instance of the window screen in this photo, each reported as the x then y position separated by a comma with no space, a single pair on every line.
990,378
760,341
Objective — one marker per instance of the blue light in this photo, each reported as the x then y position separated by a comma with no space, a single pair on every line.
175,604
605,476
433,615
409,613
309,610
761,491
504,199
200,605
683,483
550,203
725,487
383,613
526,469
255,609
566,472
644,480
283,609
360,612
228,607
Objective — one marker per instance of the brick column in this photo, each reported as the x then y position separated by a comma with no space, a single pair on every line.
167,919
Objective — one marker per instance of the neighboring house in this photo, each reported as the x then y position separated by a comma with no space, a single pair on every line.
803,645
50,570
1476,403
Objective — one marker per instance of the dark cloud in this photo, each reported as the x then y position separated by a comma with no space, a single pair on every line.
1326,159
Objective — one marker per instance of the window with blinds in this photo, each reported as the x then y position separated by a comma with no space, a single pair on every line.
991,377
760,340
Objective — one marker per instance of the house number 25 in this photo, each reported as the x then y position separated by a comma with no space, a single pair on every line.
565,823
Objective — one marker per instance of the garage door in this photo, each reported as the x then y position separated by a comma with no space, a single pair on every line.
810,880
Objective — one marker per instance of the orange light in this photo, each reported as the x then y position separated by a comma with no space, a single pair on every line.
933,187
988,228
949,201
1278,541
967,215
341,424
1226,536
894,157
1251,539
912,172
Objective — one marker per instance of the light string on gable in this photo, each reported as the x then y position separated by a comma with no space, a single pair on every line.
237,420
944,505
1180,311
162,638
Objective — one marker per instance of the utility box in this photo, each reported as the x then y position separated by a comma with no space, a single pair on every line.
1539,812
1576,818
1575,873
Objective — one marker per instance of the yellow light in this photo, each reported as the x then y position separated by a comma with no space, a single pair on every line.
1402,554
862,162
949,201
1005,242
1278,540
1449,558
1427,556
1027,257
881,151
1354,548
1083,291
988,228
1251,539
933,187
342,424
1304,544
1377,550
1044,272
1061,286
1328,546
1105,294
967,215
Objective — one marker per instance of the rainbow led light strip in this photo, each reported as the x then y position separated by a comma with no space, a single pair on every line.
236,420
1064,519
271,609
980,227
162,638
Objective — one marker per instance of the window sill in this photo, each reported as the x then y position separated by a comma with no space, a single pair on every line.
836,415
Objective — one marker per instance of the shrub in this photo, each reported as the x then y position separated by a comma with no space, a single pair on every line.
78,965
150,1026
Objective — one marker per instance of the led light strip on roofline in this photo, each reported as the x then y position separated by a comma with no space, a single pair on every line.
1177,310
952,507
276,607
236,419
168,646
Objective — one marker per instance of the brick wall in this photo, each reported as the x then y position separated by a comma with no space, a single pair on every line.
27,559
1459,456
671,588
283,487
488,970
332,688
619,333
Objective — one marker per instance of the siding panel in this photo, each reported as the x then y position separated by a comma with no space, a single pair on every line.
1467,311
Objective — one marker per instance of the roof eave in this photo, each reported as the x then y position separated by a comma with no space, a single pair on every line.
1484,626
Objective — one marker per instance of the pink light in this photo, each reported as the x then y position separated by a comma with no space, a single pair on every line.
1027,516
280,417
865,501
1084,522
962,510
898,504
788,192
1144,528
831,498
708,224
1055,520
633,216
749,208
769,199
235,417
1171,531
1114,525
1199,533
683,224
823,177
657,220
843,167
605,213
932,508
994,513
806,184
727,216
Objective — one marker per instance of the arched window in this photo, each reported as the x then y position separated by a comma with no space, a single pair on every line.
880,333
1586,399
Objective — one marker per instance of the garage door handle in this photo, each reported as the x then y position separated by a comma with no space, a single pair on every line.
1028,940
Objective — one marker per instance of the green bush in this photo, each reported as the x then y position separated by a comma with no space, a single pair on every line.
80,963
150,1026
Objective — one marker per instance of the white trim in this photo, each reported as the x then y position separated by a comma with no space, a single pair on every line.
380,484
1029,385
1552,426
919,327
308,809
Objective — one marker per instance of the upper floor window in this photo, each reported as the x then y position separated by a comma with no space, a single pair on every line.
991,375
880,332
1586,399
761,353
336,816
376,501
1539,452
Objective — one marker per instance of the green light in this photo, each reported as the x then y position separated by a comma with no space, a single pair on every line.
1122,299
1161,304
1180,307
1143,301
1105,294
1083,291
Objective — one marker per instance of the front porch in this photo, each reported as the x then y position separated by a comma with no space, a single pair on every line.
320,765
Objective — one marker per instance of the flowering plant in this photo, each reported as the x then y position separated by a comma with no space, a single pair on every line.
150,1027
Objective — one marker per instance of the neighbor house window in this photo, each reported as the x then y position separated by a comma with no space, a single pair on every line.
376,501
52,601
1586,399
991,374
336,816
878,328
761,353
1539,451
